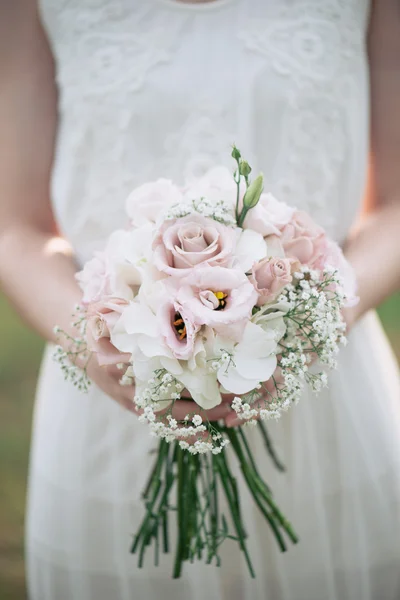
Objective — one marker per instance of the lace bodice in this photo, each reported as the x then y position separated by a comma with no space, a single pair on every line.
152,88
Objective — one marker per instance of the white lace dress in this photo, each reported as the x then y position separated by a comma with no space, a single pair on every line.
153,88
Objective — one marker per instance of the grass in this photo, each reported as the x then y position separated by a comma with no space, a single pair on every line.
20,352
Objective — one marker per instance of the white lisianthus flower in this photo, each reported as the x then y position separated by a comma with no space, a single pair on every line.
138,329
203,387
250,248
130,254
251,361
118,271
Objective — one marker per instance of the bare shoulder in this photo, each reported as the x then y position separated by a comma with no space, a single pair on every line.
28,115
21,33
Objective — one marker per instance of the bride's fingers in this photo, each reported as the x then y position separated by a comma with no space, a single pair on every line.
115,371
232,419
182,408
228,398
128,404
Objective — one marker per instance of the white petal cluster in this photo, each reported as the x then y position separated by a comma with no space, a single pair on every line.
202,305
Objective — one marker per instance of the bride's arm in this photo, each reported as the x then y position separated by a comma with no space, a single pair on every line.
374,249
36,266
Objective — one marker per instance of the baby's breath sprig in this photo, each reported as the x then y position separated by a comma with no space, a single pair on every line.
72,354
218,211
192,434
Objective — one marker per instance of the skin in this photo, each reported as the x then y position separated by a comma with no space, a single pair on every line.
37,267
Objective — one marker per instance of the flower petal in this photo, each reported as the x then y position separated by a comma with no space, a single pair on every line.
250,248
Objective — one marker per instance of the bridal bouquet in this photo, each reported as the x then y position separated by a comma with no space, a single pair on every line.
216,292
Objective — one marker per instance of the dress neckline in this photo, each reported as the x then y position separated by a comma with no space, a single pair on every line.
196,6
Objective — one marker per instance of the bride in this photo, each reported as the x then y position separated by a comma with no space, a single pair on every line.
98,97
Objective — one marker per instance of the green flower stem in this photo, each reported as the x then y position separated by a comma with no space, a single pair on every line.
247,448
237,181
251,477
225,472
156,547
209,492
242,216
165,532
153,489
180,516
170,479
201,523
269,447
215,518
275,510
234,514
147,525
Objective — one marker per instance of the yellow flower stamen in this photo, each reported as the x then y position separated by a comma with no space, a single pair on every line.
221,296
180,327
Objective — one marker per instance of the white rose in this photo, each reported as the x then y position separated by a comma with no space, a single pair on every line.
216,184
147,203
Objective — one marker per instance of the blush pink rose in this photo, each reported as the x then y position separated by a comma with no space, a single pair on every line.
270,275
269,216
94,279
304,240
101,318
219,298
177,329
184,243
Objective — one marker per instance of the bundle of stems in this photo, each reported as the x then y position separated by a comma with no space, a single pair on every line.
200,521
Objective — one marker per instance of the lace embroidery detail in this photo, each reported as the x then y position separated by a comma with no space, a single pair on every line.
202,142
316,47
130,112
103,48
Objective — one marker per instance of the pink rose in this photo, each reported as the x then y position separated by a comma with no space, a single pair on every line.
270,275
269,216
147,203
177,329
101,318
184,243
303,239
220,298
94,279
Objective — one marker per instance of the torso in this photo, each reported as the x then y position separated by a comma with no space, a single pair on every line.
163,88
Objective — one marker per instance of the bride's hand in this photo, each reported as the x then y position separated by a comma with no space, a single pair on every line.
107,378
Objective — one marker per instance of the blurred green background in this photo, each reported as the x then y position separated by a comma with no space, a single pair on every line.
20,352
